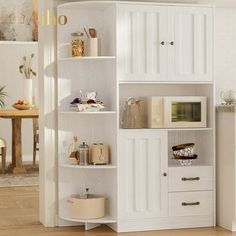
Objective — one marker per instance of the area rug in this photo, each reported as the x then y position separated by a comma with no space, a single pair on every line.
31,178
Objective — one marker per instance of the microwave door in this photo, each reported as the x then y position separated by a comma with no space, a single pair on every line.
185,113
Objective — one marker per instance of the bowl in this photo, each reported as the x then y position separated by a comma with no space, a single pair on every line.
183,150
21,107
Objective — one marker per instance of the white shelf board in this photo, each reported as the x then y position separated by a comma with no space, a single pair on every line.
164,82
171,129
87,113
193,165
86,58
103,220
19,42
88,166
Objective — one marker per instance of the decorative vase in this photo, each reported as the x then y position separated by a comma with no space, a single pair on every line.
28,90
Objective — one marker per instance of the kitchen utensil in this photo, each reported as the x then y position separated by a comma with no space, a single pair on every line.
92,32
132,117
83,154
228,96
99,154
185,150
185,162
92,207
85,30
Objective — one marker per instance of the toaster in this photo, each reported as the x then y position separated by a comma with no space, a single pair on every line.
99,154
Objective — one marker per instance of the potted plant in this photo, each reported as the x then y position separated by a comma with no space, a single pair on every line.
2,97
27,73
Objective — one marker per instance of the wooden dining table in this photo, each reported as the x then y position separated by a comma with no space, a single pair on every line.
16,117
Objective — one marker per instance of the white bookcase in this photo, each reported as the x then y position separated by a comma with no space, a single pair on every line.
147,49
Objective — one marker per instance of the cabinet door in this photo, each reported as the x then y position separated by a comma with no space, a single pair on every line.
142,182
190,50
141,49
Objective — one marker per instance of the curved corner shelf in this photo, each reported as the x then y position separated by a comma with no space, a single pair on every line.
103,220
86,58
87,113
88,166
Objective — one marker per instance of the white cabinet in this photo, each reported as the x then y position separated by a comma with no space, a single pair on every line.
191,43
142,174
226,166
142,34
142,43
160,43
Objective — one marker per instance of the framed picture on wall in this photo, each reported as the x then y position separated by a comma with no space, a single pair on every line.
19,20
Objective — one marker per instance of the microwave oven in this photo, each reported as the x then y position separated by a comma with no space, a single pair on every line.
177,112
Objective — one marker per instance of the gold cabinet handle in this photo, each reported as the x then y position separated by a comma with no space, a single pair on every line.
190,203
190,179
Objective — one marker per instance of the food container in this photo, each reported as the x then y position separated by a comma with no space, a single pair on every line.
185,150
93,47
92,207
77,44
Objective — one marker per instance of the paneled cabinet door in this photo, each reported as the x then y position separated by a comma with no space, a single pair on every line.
141,42
190,43
142,174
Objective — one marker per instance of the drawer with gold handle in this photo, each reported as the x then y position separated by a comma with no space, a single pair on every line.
194,178
191,203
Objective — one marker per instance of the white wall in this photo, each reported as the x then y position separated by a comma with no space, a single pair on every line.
10,58
225,50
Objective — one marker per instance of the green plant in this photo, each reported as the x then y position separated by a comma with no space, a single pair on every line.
26,67
2,97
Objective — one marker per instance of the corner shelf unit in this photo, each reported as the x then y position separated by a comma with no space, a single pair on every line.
148,49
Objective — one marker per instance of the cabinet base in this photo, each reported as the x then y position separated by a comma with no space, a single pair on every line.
131,225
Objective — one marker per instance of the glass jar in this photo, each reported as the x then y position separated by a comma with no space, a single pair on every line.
83,154
77,44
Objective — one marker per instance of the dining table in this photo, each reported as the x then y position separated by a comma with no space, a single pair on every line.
16,116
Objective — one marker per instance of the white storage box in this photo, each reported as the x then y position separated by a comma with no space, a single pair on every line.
92,207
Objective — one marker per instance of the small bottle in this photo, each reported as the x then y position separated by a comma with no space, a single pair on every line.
73,151
77,44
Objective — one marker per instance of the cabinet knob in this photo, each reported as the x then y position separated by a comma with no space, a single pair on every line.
162,43
165,174
172,43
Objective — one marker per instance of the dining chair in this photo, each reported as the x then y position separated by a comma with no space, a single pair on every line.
3,154
35,139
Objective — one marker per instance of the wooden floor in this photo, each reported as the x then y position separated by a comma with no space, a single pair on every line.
19,217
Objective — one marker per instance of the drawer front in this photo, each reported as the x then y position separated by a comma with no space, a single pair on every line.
190,178
191,203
